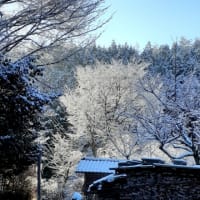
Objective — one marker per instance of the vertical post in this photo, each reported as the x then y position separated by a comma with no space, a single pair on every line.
39,175
175,71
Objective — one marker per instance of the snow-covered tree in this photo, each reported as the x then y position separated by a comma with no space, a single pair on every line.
60,156
171,113
40,25
54,121
147,54
20,104
100,107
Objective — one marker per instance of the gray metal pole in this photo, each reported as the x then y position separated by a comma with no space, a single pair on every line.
39,175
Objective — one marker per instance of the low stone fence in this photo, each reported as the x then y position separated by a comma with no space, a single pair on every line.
156,181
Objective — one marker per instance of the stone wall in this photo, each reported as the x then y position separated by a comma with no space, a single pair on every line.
156,182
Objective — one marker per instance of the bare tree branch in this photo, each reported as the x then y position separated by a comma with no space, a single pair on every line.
47,23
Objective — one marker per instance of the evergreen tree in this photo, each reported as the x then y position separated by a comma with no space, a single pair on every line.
20,104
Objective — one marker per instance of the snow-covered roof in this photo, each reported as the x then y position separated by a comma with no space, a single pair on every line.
97,165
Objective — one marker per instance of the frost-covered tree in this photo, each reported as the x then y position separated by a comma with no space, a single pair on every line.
101,105
20,104
60,156
171,113
60,151
162,58
54,121
40,25
147,54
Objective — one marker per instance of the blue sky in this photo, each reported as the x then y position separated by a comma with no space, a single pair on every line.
158,21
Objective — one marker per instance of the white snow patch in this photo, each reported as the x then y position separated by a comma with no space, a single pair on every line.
110,178
76,196
5,137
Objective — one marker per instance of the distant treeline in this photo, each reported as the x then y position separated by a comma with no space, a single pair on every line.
184,54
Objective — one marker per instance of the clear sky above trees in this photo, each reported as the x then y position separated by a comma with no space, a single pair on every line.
158,21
